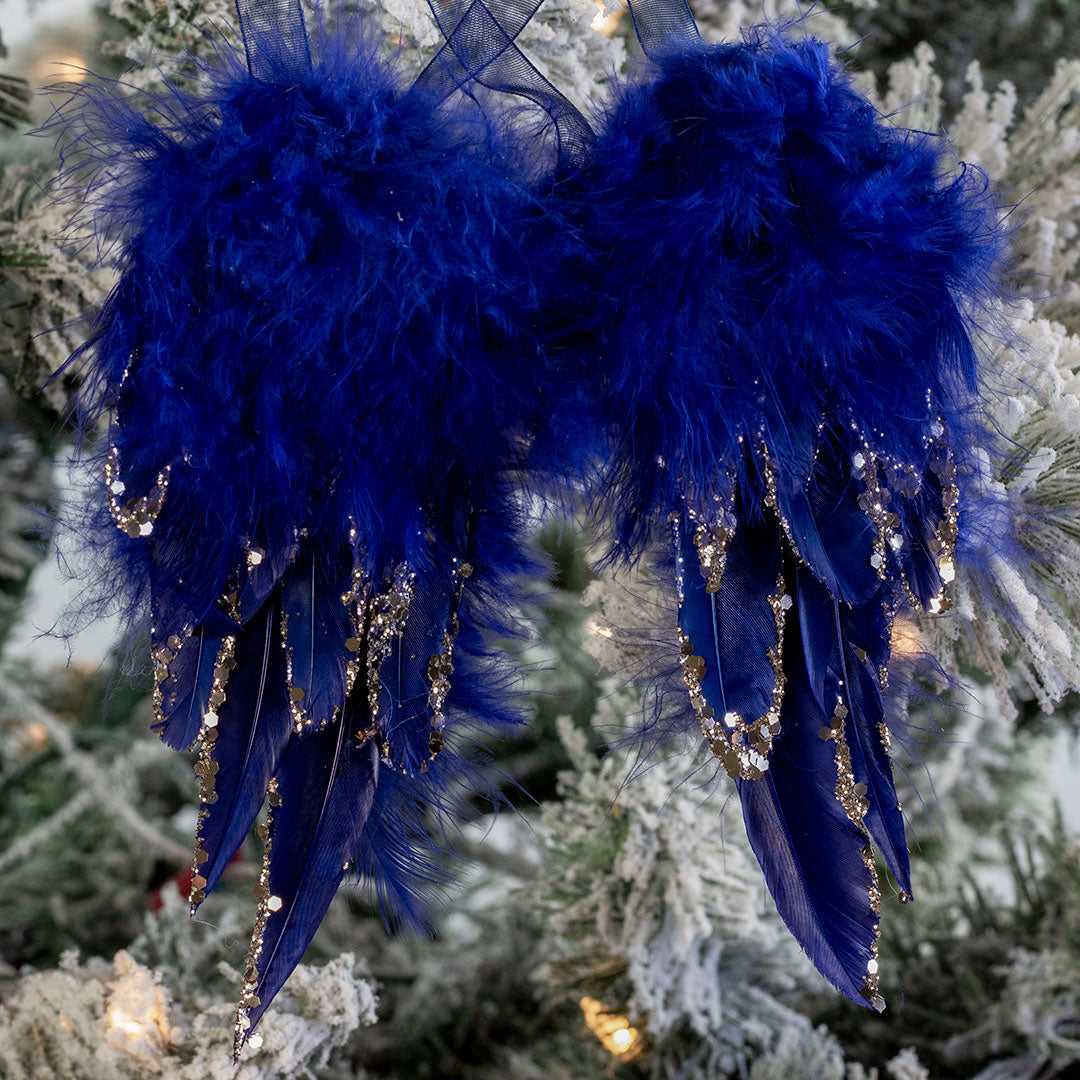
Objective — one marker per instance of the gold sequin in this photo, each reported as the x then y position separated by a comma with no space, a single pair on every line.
874,502
134,517
711,541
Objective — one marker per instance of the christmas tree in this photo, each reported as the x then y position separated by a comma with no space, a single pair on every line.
613,920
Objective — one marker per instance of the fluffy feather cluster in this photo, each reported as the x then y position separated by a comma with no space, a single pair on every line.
778,252
327,305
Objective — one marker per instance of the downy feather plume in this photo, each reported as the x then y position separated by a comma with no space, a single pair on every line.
792,390
322,375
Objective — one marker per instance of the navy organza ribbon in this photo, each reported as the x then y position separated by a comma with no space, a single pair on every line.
662,25
480,48
275,38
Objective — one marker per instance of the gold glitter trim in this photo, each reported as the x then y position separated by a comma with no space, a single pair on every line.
355,601
874,502
389,611
768,472
248,998
206,768
135,517
162,655
711,541
441,666
852,797
299,715
742,747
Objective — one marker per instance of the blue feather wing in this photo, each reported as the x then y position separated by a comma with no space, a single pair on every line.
317,629
324,792
252,729
810,849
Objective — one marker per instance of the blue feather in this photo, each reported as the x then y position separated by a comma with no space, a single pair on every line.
324,791
733,628
833,635
293,253
252,730
828,529
793,318
407,674
871,763
317,628
182,696
811,851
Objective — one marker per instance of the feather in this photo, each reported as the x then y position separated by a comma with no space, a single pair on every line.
731,626
843,651
416,676
317,629
804,824
870,760
821,515
289,474
264,567
320,802
184,670
243,741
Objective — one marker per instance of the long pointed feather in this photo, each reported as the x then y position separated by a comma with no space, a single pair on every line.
253,726
920,514
184,678
265,565
833,635
407,674
833,536
733,628
870,760
316,627
809,847
817,631
325,787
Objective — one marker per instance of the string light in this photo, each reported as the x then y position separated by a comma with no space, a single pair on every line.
120,1021
607,19
614,1030
906,640
65,67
